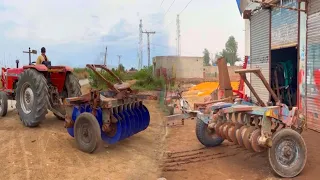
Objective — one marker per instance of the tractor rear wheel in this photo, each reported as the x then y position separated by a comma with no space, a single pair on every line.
73,89
3,103
32,97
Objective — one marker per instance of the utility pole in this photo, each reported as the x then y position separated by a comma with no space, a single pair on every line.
178,37
148,36
119,56
140,45
105,57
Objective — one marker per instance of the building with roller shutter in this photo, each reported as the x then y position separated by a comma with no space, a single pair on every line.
284,42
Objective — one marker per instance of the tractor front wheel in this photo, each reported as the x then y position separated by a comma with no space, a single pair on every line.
32,97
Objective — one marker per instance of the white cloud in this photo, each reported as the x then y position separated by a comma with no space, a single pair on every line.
204,23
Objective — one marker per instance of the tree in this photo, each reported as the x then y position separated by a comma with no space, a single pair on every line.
230,53
133,69
121,68
206,57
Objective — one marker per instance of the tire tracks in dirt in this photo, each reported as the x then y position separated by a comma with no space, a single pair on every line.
180,158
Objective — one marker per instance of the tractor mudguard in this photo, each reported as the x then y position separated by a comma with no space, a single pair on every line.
39,67
68,69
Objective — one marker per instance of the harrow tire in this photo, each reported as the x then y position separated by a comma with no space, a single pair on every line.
93,132
73,89
287,140
36,84
208,139
3,104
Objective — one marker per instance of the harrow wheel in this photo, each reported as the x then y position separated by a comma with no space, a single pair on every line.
254,141
288,154
3,103
206,136
87,132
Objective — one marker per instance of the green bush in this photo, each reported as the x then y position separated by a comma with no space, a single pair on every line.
144,79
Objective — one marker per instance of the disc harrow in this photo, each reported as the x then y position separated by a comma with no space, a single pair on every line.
258,128
112,115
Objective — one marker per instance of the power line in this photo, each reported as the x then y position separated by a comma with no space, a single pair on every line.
169,7
161,3
178,14
186,6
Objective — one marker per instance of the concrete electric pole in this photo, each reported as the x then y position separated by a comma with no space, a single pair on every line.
105,56
119,56
148,36
140,45
178,37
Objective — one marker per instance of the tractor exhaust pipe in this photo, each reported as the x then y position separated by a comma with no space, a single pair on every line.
17,62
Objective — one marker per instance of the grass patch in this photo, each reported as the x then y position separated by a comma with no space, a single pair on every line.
81,73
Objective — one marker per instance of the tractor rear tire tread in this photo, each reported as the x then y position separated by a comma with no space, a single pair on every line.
4,104
73,88
39,87
204,137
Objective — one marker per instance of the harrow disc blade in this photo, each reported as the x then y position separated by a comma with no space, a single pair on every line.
146,119
140,115
129,121
124,126
217,128
113,136
246,135
239,136
134,121
232,134
221,131
75,113
226,131
254,141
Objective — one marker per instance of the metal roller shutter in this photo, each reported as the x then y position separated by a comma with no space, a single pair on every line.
260,51
313,65
284,26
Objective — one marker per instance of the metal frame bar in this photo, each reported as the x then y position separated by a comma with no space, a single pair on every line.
258,73
109,84
276,6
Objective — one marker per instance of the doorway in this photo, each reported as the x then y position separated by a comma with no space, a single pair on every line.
284,74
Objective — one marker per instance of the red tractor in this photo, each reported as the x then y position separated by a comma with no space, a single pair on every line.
37,89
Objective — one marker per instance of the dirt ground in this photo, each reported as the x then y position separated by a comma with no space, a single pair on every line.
186,158
48,152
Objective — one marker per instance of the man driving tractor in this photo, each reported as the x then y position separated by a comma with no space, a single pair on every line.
42,57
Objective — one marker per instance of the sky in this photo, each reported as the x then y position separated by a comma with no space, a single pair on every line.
77,32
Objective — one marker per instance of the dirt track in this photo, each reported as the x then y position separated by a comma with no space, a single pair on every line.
48,152
186,158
